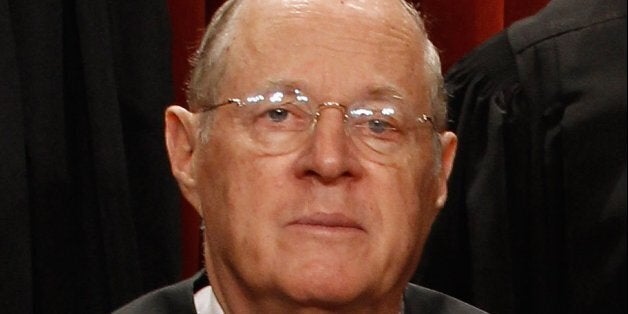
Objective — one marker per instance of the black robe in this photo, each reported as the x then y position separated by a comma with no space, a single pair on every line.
89,212
179,299
536,216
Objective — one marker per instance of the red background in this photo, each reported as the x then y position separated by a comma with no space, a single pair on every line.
455,26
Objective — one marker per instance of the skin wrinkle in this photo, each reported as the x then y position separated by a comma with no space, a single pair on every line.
261,48
255,258
432,66
324,24
397,29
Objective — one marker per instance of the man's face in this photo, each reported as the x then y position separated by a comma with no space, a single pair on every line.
322,224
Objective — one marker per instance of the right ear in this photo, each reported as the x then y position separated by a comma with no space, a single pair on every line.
181,137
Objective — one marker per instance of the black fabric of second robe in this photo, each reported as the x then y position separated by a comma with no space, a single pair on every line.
89,213
536,216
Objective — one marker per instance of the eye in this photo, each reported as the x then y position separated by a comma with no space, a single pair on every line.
278,114
375,128
277,117
379,126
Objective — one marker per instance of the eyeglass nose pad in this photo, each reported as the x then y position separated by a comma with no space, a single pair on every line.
330,105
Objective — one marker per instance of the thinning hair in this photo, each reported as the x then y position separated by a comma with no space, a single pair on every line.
209,61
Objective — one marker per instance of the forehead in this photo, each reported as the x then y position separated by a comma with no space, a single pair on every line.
328,46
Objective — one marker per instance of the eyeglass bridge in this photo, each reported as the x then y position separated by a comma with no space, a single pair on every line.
331,105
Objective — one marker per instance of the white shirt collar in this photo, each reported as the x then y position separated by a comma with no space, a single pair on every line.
206,303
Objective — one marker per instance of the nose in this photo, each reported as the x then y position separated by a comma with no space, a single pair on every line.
330,155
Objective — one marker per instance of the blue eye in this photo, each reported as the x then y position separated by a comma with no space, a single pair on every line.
379,126
278,114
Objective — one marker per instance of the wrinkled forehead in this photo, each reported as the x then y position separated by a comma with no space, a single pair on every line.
377,38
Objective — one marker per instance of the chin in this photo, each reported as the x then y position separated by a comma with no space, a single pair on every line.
326,296
330,288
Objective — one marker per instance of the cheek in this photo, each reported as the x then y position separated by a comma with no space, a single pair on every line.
239,191
406,201
230,193
401,206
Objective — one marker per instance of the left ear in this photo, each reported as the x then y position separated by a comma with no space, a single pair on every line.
448,141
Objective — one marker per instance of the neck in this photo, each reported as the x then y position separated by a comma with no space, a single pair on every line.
236,296
233,298
233,304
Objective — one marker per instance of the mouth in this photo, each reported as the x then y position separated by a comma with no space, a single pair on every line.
326,223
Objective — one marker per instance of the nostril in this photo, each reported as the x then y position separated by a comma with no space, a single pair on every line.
331,162
328,179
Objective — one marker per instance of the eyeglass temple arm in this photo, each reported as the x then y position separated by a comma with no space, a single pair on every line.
229,101
423,118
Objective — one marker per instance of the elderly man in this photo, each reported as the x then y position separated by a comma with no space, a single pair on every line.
314,149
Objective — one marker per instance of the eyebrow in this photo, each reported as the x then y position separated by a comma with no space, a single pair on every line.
377,91
282,83
385,91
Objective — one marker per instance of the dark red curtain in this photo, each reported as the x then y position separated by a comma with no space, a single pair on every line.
456,27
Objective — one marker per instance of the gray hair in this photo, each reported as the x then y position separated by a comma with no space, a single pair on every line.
208,63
